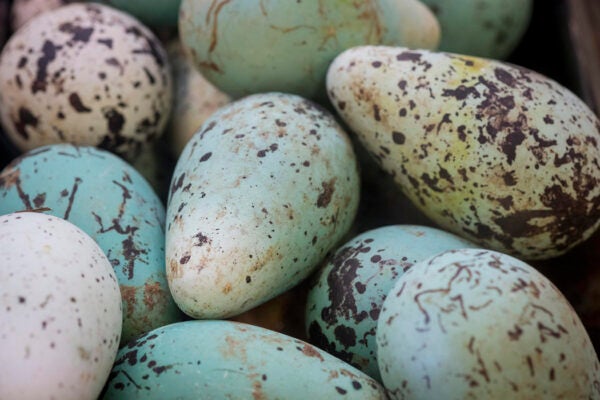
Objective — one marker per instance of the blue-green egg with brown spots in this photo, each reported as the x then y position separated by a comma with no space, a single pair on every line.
345,300
267,186
231,360
110,201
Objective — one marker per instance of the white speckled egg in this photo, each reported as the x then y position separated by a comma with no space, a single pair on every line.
195,99
85,74
344,303
260,194
60,310
257,46
485,28
109,200
23,10
491,151
477,324
231,360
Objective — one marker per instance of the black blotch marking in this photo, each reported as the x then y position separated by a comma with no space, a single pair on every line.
77,104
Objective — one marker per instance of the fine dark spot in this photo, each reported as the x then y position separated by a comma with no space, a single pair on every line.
398,137
77,104
78,33
26,118
48,55
328,188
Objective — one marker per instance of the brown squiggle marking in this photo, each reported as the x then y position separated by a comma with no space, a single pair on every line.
72,197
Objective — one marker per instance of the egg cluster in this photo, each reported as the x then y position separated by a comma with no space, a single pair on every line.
182,204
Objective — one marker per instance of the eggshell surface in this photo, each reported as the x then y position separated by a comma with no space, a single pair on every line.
253,46
110,201
60,310
484,28
258,197
477,324
344,304
223,360
85,74
493,152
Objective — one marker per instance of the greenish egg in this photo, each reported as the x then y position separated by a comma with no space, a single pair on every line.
231,360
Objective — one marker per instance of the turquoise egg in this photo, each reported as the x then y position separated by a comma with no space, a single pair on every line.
345,301
478,324
154,13
111,202
231,360
254,46
485,28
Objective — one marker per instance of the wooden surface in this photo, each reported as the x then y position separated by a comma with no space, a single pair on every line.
583,18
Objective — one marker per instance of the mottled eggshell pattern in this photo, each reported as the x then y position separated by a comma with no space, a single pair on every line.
194,101
60,310
85,74
485,28
258,197
477,324
155,13
23,10
111,202
254,46
231,360
343,306
491,151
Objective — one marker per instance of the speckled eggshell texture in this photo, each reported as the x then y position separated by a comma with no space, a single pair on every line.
154,13
259,196
194,101
23,10
477,324
85,74
231,360
343,305
60,310
111,202
485,28
254,46
491,151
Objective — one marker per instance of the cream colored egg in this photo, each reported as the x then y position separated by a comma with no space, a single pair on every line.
60,310
494,152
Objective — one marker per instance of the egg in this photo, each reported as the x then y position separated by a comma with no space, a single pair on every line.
260,194
344,303
85,74
194,101
60,310
478,324
253,46
110,201
154,13
229,360
23,10
496,153
484,28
